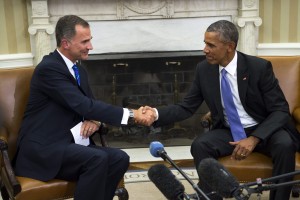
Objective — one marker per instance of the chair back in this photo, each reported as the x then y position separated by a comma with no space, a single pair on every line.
287,71
14,92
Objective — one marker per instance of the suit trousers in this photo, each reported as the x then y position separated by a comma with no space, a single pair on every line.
97,170
279,147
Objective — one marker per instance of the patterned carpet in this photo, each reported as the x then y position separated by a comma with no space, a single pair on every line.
141,188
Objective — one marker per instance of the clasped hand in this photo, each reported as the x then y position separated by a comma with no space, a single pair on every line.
145,115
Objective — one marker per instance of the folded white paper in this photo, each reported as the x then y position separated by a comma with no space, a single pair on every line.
77,137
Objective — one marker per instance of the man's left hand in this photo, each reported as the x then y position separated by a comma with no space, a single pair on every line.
244,147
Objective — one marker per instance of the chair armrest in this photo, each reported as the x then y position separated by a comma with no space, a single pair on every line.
296,115
206,120
8,177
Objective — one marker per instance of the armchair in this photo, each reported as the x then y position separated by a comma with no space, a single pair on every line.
287,71
14,91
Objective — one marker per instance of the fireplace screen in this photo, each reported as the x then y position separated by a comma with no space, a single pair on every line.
154,79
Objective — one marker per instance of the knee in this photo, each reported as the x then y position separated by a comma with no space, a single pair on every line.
285,146
125,159
197,147
122,158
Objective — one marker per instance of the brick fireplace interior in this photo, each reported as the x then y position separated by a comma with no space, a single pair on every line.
146,78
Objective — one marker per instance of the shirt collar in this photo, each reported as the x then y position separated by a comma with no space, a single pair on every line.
231,67
68,62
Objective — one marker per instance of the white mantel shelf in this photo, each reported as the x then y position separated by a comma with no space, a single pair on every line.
144,25
143,154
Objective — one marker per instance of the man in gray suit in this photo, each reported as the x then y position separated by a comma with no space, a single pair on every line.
260,108
61,99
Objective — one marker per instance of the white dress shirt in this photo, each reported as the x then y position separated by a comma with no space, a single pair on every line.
231,68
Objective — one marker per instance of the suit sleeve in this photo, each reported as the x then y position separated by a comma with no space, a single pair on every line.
186,108
59,87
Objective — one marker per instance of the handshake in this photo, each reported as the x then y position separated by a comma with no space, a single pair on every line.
145,115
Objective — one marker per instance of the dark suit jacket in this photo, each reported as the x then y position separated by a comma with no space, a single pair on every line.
259,91
55,105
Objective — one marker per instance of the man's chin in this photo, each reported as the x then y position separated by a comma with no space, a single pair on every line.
211,61
84,57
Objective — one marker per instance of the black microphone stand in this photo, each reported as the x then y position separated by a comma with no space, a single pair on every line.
240,195
165,156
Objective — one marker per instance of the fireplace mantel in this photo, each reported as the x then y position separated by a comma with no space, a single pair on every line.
45,13
143,55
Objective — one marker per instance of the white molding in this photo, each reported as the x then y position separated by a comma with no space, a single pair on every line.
278,49
16,60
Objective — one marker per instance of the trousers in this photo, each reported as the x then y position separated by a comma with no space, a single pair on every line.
279,147
97,170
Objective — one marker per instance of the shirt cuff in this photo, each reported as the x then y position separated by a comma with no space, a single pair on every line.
125,116
156,114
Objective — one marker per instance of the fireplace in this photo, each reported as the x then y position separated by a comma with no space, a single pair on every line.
146,78
145,51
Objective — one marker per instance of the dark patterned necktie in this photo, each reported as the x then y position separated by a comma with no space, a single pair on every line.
76,72
237,130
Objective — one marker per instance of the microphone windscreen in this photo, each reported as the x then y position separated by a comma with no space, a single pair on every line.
217,177
166,182
155,148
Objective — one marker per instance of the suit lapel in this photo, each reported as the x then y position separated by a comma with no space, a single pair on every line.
215,88
242,78
67,72
83,80
64,69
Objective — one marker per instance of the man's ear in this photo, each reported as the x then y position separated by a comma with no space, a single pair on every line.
231,46
65,43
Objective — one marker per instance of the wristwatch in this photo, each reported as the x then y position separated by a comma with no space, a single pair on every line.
131,117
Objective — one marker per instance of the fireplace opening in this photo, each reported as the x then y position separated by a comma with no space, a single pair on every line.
148,78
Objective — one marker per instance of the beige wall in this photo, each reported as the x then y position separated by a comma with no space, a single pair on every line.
281,24
14,36
281,21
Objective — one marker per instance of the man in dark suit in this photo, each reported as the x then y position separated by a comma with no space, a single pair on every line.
261,108
60,99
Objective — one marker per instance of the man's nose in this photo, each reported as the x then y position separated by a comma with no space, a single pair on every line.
90,46
205,50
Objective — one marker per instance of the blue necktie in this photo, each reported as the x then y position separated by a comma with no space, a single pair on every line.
76,72
237,130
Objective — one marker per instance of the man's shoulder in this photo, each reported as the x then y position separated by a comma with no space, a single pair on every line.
251,61
252,58
50,60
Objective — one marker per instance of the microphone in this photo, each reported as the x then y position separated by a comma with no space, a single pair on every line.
157,150
166,182
224,183
218,178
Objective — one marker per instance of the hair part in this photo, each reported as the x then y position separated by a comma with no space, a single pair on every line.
227,30
65,27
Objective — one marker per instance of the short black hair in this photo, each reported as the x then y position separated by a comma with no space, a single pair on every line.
228,31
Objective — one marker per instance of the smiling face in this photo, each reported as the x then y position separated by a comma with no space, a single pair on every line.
78,47
216,50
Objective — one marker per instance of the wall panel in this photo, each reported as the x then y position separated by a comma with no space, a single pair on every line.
14,36
281,24
280,21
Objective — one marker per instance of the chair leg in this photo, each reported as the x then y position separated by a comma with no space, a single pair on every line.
296,191
122,194
4,193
